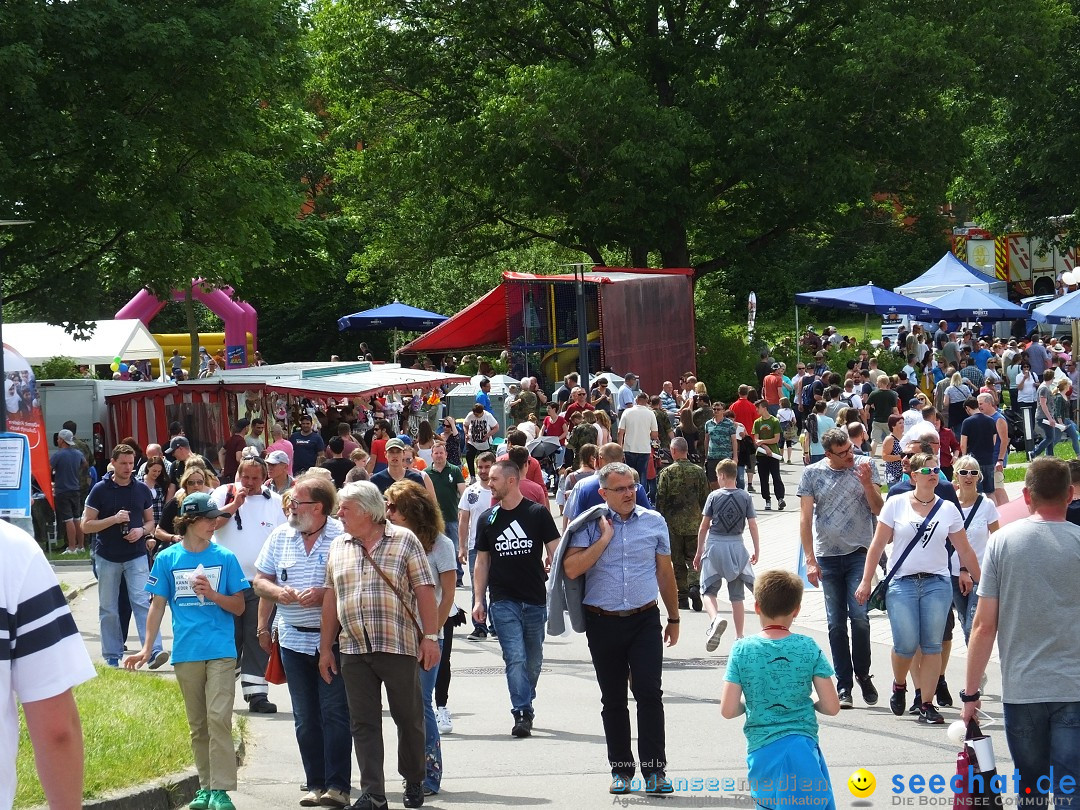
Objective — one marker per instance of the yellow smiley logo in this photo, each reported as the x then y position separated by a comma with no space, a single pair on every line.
862,783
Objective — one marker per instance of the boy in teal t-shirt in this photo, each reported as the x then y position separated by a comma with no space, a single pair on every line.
203,604
776,671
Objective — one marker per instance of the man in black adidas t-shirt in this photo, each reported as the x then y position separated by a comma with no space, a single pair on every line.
514,539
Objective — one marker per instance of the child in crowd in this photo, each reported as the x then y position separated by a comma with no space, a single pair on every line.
204,645
727,511
790,427
775,670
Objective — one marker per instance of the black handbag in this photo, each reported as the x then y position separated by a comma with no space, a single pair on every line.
877,596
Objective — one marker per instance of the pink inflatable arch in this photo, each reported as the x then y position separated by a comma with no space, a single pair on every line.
239,317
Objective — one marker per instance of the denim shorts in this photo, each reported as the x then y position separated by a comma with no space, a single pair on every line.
918,608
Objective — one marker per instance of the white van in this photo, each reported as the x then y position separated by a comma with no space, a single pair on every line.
83,402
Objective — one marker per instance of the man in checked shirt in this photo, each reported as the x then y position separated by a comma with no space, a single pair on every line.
291,573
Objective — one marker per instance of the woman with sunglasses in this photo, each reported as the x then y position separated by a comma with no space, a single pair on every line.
409,505
194,479
1026,385
981,516
920,590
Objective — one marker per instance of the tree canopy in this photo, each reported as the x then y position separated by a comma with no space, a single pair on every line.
150,143
691,133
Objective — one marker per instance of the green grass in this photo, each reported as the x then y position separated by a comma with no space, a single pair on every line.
846,323
58,554
134,730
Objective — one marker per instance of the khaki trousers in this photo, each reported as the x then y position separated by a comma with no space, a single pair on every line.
208,688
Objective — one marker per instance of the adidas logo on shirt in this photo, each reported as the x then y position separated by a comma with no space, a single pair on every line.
513,541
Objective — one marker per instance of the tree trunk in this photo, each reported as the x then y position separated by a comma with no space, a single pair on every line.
193,332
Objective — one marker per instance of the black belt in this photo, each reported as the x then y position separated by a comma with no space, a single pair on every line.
920,575
620,613
306,629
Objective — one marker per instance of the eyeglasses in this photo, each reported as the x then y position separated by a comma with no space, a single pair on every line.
847,451
927,470
717,410
196,481
622,490
294,504
967,472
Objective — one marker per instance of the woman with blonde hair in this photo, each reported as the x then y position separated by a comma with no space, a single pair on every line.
603,427
195,479
980,520
919,590
409,505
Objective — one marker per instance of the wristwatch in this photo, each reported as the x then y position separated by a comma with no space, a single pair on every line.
966,698
431,636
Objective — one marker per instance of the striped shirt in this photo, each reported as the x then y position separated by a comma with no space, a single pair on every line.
285,558
41,652
372,616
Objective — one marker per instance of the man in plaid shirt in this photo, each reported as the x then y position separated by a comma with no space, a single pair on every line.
380,598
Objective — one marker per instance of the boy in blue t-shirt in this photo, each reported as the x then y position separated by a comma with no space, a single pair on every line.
202,604
776,670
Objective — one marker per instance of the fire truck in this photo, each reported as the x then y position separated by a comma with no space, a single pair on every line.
1030,265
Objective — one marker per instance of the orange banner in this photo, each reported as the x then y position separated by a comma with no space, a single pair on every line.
23,405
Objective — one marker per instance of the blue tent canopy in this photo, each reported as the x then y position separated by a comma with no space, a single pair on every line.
1065,309
868,299
392,316
972,304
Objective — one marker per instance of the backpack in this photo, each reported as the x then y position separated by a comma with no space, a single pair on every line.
478,431
806,395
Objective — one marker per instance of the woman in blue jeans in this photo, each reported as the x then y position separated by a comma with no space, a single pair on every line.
408,505
920,590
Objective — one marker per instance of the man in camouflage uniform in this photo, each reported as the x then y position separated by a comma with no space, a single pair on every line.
663,422
680,496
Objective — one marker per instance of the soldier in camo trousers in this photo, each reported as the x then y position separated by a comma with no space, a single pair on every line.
680,495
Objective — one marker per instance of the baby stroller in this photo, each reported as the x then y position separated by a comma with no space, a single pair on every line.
545,449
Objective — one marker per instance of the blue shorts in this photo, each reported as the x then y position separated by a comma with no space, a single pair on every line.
789,772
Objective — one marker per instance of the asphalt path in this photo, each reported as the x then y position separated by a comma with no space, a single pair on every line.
564,763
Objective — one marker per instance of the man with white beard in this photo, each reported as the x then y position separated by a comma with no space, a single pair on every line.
291,573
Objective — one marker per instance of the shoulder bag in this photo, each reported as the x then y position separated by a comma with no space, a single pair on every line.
393,587
877,596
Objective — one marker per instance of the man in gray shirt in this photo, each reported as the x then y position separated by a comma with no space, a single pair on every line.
1027,599
839,496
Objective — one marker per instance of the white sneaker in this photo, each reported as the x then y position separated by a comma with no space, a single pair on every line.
712,635
443,721
68,551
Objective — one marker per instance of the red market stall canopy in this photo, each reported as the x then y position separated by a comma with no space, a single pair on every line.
146,414
638,319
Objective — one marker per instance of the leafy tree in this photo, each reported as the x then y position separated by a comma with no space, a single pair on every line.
1025,145
151,143
694,133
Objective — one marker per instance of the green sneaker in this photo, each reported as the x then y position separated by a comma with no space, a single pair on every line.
201,800
219,800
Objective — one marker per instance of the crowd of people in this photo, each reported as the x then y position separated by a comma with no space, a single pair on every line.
340,552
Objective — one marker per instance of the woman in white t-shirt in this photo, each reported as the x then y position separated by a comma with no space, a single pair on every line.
920,591
966,477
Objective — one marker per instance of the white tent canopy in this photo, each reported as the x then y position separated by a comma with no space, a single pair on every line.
948,274
126,339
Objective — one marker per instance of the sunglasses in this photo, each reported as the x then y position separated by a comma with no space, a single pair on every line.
391,507
927,470
967,472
